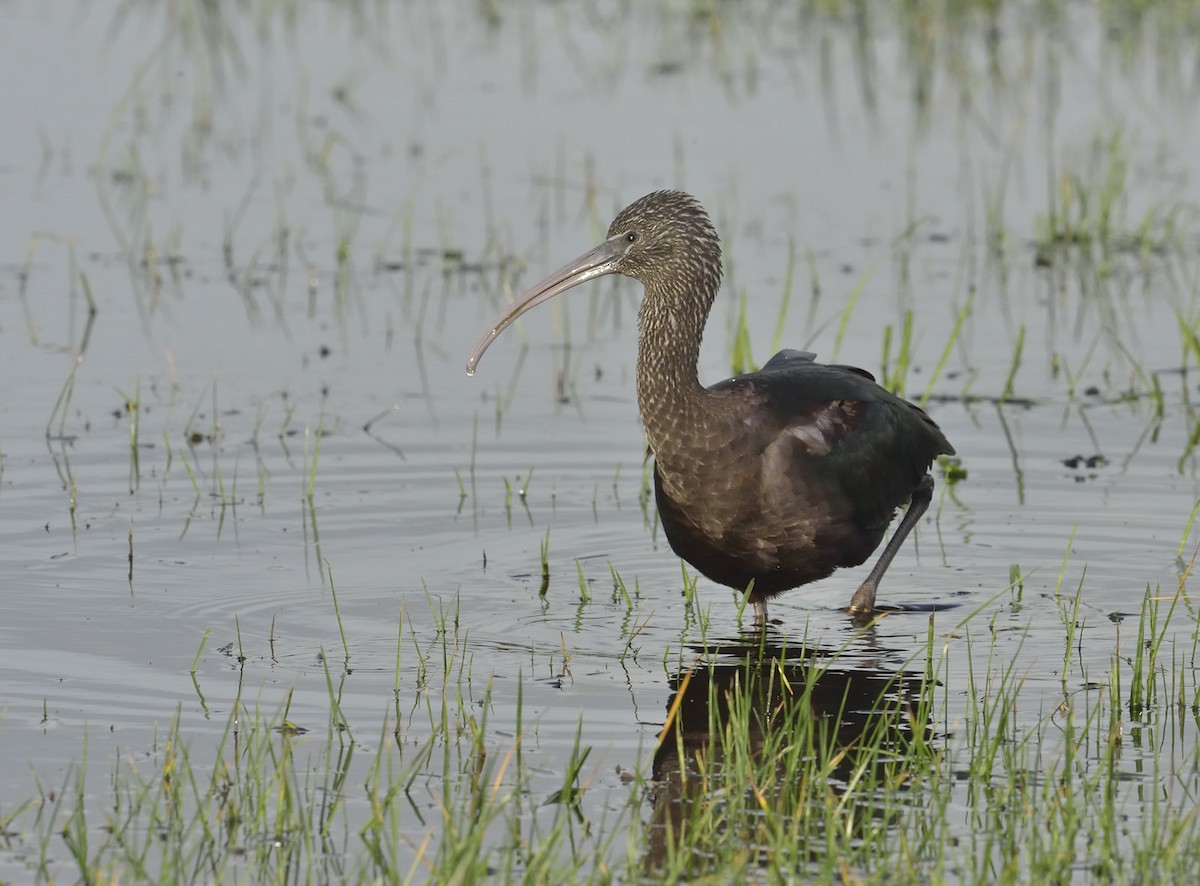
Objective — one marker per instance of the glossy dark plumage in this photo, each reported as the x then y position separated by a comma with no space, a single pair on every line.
779,476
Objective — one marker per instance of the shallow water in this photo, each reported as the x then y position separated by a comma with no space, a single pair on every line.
293,232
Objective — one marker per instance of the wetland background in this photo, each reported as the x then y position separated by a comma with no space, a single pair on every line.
272,565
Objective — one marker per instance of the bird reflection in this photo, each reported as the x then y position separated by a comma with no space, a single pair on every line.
767,731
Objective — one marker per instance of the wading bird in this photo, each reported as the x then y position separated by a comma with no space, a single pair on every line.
768,480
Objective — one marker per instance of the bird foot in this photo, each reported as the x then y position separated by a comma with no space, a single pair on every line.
863,601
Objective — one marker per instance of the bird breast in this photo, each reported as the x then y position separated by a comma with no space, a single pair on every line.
745,499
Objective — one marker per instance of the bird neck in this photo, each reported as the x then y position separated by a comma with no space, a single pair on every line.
671,399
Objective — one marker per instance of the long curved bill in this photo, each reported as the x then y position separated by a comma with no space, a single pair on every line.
596,263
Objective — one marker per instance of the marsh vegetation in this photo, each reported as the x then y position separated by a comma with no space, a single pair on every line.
288,597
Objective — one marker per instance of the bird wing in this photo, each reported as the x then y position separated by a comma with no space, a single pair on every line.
789,358
817,403
836,423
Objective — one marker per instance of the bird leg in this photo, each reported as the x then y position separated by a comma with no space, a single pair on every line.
760,612
864,598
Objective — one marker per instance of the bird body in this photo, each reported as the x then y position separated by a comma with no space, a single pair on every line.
776,477
802,475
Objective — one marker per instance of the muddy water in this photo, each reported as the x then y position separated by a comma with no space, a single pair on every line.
293,231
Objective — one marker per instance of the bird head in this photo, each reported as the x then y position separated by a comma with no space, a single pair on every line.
665,240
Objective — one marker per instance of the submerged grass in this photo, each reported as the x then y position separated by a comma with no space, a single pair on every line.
784,760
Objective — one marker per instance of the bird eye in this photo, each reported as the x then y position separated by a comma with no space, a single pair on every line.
631,237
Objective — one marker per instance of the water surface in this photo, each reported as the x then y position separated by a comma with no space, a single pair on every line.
294,227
